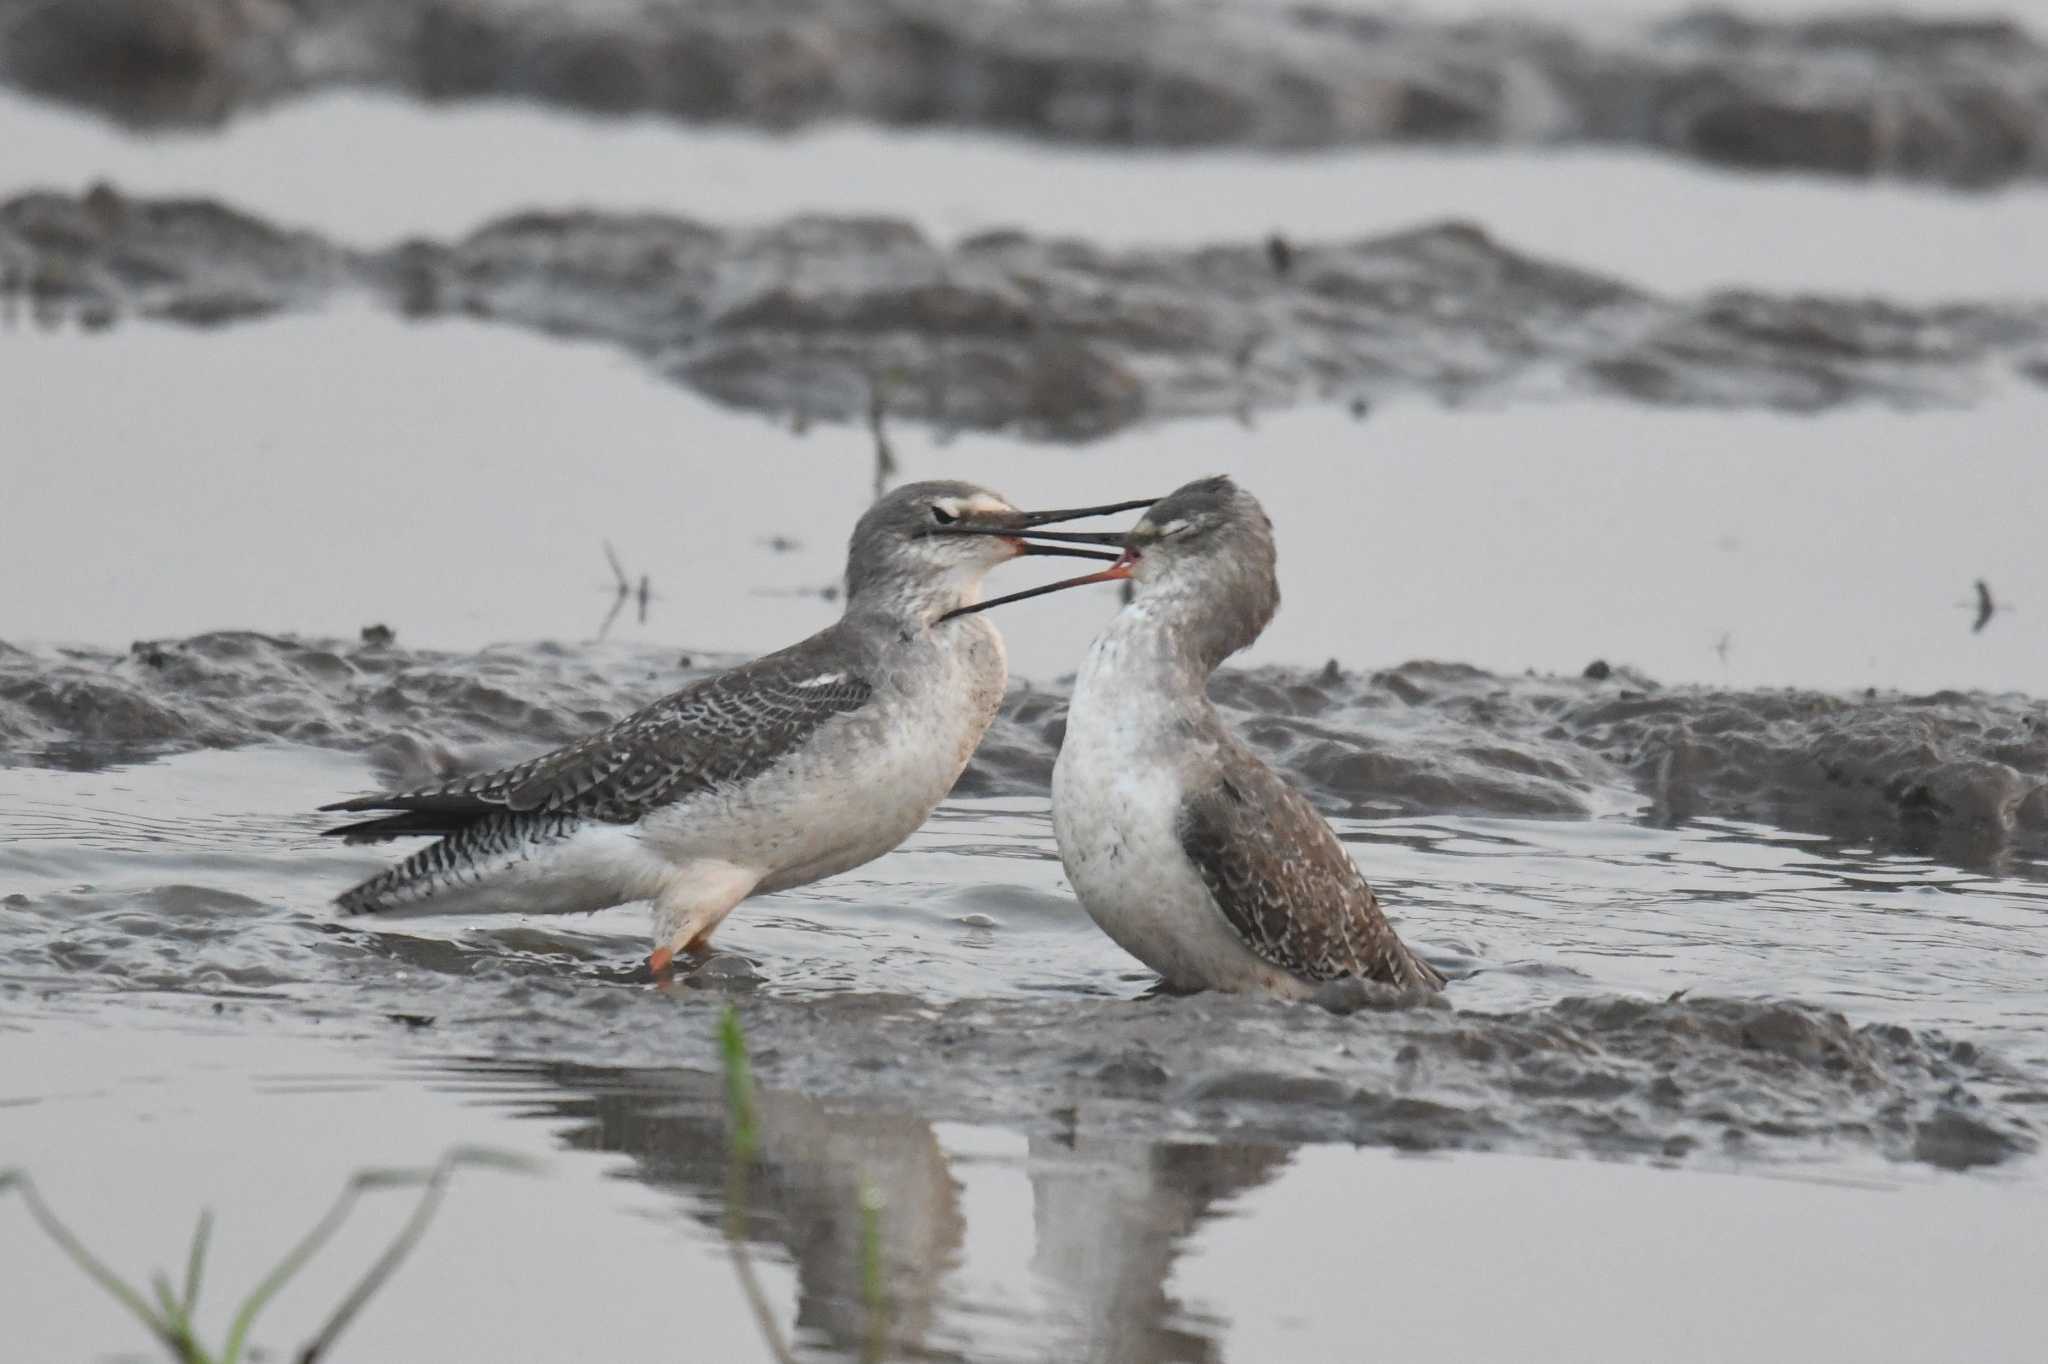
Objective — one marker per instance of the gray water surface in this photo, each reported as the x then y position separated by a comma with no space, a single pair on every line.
191,1025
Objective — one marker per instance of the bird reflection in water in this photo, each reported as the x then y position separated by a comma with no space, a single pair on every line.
1110,1216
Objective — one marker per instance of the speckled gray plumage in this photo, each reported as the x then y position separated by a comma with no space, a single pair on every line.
723,729
1286,883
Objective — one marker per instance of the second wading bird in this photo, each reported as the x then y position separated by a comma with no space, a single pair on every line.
1187,849
797,766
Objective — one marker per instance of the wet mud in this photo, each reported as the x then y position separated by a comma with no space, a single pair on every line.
1960,102
1765,1081
975,990
1963,776
867,318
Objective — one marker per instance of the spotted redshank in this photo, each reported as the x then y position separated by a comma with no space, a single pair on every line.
1187,849
794,767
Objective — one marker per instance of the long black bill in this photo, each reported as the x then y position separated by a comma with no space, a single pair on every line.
1072,537
1047,518
1121,569
1021,522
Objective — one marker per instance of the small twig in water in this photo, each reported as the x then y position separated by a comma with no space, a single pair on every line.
1986,607
878,413
624,591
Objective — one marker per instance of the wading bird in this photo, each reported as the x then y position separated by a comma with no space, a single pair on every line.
1187,849
794,767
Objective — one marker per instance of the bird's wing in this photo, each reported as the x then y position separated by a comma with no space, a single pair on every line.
722,729
1286,884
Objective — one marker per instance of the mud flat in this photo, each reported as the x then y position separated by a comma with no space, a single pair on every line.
1962,774
1962,102
842,318
956,982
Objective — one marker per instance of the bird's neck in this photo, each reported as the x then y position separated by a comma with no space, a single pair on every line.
914,603
1155,649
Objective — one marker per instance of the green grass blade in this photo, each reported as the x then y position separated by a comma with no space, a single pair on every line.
381,1269
750,1288
195,1263
294,1260
739,1086
159,1326
874,1291
165,1298
436,1181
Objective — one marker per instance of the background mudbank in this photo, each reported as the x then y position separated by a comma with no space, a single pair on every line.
1960,102
865,318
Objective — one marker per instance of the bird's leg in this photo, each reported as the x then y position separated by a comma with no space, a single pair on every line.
692,905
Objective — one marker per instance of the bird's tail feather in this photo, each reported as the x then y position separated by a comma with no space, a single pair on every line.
544,864
406,824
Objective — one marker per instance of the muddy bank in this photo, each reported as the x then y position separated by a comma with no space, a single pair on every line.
1959,102
1605,1075
1712,1078
834,318
1961,775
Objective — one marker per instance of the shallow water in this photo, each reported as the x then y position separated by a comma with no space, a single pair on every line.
1011,1248
173,984
379,471
441,171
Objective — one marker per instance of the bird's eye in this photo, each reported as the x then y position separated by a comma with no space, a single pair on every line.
942,516
1176,528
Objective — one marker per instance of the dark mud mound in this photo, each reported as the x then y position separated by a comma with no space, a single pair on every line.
1964,103
412,710
845,318
1964,776
103,255
1609,1075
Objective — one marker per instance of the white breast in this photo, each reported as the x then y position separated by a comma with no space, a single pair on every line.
865,782
1116,795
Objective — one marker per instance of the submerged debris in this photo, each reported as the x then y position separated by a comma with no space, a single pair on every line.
1986,607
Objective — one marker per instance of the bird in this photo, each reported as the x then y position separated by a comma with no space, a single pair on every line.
1986,607
1180,842
799,765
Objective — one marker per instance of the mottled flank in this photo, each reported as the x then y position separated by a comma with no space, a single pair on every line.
1050,339
1958,101
1304,906
725,728
1959,775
